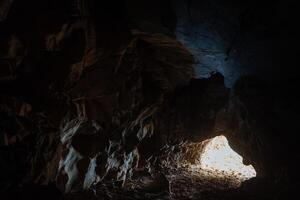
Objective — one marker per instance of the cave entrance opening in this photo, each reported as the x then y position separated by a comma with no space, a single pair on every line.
220,161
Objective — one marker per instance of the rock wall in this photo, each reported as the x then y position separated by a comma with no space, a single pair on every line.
94,93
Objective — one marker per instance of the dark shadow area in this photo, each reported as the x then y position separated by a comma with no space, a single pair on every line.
112,99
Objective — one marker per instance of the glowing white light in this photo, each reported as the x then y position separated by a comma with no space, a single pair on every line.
220,159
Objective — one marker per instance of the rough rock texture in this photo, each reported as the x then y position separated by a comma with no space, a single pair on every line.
100,101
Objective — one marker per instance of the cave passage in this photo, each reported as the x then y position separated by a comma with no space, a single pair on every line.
219,160
155,100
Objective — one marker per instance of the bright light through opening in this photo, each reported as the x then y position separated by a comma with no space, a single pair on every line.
218,158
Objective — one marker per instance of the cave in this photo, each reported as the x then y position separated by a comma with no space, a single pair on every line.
137,99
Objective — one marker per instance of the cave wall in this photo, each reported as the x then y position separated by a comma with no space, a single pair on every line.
239,38
91,90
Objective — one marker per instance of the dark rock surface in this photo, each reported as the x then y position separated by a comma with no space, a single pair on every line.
97,95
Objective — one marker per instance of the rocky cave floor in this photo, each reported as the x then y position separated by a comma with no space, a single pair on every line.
185,184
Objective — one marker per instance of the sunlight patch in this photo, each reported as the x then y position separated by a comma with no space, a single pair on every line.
220,161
